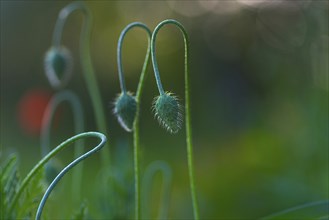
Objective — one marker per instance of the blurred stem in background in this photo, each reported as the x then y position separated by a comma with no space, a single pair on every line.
148,179
86,63
47,120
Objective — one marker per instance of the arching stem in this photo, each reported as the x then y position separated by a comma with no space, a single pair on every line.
138,100
68,167
187,102
163,168
78,119
86,63
54,152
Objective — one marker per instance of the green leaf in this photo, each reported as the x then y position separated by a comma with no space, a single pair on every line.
315,210
8,166
8,185
29,201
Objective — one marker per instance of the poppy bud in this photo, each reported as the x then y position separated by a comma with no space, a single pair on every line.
168,111
125,109
58,66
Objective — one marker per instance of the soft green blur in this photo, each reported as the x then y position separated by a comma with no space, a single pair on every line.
259,91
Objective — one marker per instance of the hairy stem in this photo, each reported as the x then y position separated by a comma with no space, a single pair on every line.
187,102
138,100
88,70
47,119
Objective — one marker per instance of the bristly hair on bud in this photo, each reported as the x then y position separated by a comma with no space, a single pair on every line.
58,66
125,108
168,111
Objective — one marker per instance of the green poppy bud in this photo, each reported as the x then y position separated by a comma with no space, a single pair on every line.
52,169
58,66
168,111
125,108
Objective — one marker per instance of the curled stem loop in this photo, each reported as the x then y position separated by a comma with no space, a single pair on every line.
153,50
73,100
148,178
62,17
119,55
56,100
51,154
68,167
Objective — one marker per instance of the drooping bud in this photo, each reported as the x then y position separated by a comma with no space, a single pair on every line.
125,109
168,111
52,169
58,66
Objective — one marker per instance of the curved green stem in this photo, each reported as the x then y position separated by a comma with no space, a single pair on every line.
70,166
55,151
187,102
138,99
75,104
151,170
119,56
313,210
86,63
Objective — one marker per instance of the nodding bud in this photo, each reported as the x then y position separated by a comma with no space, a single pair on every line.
125,108
52,169
58,66
168,111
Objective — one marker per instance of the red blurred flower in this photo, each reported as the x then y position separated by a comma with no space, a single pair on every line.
31,109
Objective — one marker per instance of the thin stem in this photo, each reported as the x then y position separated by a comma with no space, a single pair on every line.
151,170
47,119
119,59
71,165
138,99
136,173
119,55
187,102
308,211
54,152
154,62
86,63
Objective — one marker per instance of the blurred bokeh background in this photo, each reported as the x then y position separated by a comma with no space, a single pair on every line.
259,90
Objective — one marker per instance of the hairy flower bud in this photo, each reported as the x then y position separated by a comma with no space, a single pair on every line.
168,111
